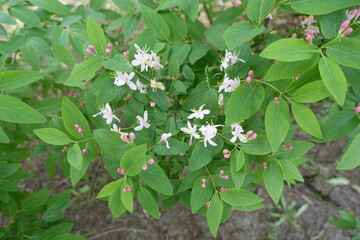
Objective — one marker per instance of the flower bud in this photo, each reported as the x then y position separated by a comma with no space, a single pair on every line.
344,25
249,133
81,131
251,73
92,48
309,38
84,151
357,109
207,204
348,32
129,189
127,97
124,189
223,189
124,138
253,137
287,144
116,43
152,104
132,136
82,80
225,151
109,46
311,32
107,51
226,155
289,148
90,52
203,185
222,172
121,171
145,167
294,35
264,163
226,177
68,69
151,161
248,80
182,154
126,54
64,149
77,126
203,180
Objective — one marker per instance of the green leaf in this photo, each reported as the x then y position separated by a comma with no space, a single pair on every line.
334,79
110,142
176,147
259,146
3,137
277,123
96,4
26,15
154,21
118,63
273,180
259,9
191,8
6,19
311,92
116,206
201,156
343,224
289,50
127,198
306,119
73,116
179,86
199,195
133,160
17,78
318,7
110,188
244,102
64,55
74,156
53,6
240,197
351,159
237,161
286,70
214,214
148,202
36,200
298,150
83,70
290,171
330,23
7,170
96,35
14,110
156,178
189,180
53,136
198,50
239,33
159,97
345,51
29,55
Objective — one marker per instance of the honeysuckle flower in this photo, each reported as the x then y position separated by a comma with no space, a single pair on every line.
229,85
190,130
141,58
198,113
156,85
229,60
309,21
164,138
123,78
209,132
238,133
350,15
154,61
221,100
143,122
140,86
107,113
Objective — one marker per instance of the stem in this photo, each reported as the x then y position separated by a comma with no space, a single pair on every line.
85,140
207,13
211,178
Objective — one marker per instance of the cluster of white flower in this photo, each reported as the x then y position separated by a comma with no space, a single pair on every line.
309,22
107,113
146,60
123,78
229,60
208,133
229,85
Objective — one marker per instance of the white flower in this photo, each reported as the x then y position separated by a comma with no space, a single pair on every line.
238,133
198,113
156,85
115,128
140,86
154,61
221,100
143,122
146,60
107,113
209,132
309,21
191,131
164,138
229,85
124,78
229,60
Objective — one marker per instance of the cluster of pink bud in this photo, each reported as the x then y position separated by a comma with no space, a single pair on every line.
127,98
150,161
152,104
276,100
124,137
182,154
79,129
84,151
82,80
91,50
127,189
310,36
226,153
226,177
357,109
108,50
264,165
207,204
249,76
343,26
126,53
68,69
294,22
64,149
203,185
288,146
173,78
121,171
223,189
236,3
251,134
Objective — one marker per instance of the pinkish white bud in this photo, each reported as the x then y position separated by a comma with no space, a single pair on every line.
294,35
127,97
138,117
225,151
248,80
124,138
126,54
344,25
226,156
222,172
151,161
152,104
129,189
77,126
84,151
353,12
311,32
309,38
81,131
223,189
264,163
276,102
124,189
68,69
348,32
276,99
249,133
203,185
357,109
82,80
64,149
203,180
253,137
119,30
287,144
132,136
182,154
289,148
251,73
121,171
265,167
90,52
226,177
145,167
207,204
116,43
92,48
238,4
109,46
108,51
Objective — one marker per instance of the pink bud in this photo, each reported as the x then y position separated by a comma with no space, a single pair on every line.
222,172
309,38
353,12
287,144
126,54
182,154
289,148
276,99
203,180
294,35
251,73
223,189
90,52
129,189
173,78
207,204
226,177
84,151
145,167
138,117
81,131
108,51
249,133
248,80
265,167
109,46
119,30
311,32
132,136
233,2
92,48
264,163
82,80
238,4
77,126
203,185
64,149
68,69
127,97
226,155
121,171
151,161
152,104
297,77
358,13
124,189
253,137
225,151
124,138
357,109
348,32
276,102
116,43
344,25
82,103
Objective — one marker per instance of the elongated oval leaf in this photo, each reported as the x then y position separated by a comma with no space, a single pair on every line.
201,155
240,197
26,15
133,160
148,202
318,7
311,92
53,136
306,119
273,180
53,6
154,21
200,195
156,178
74,156
214,214
239,33
351,158
110,188
110,142
345,51
18,78
96,35
85,69
259,9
